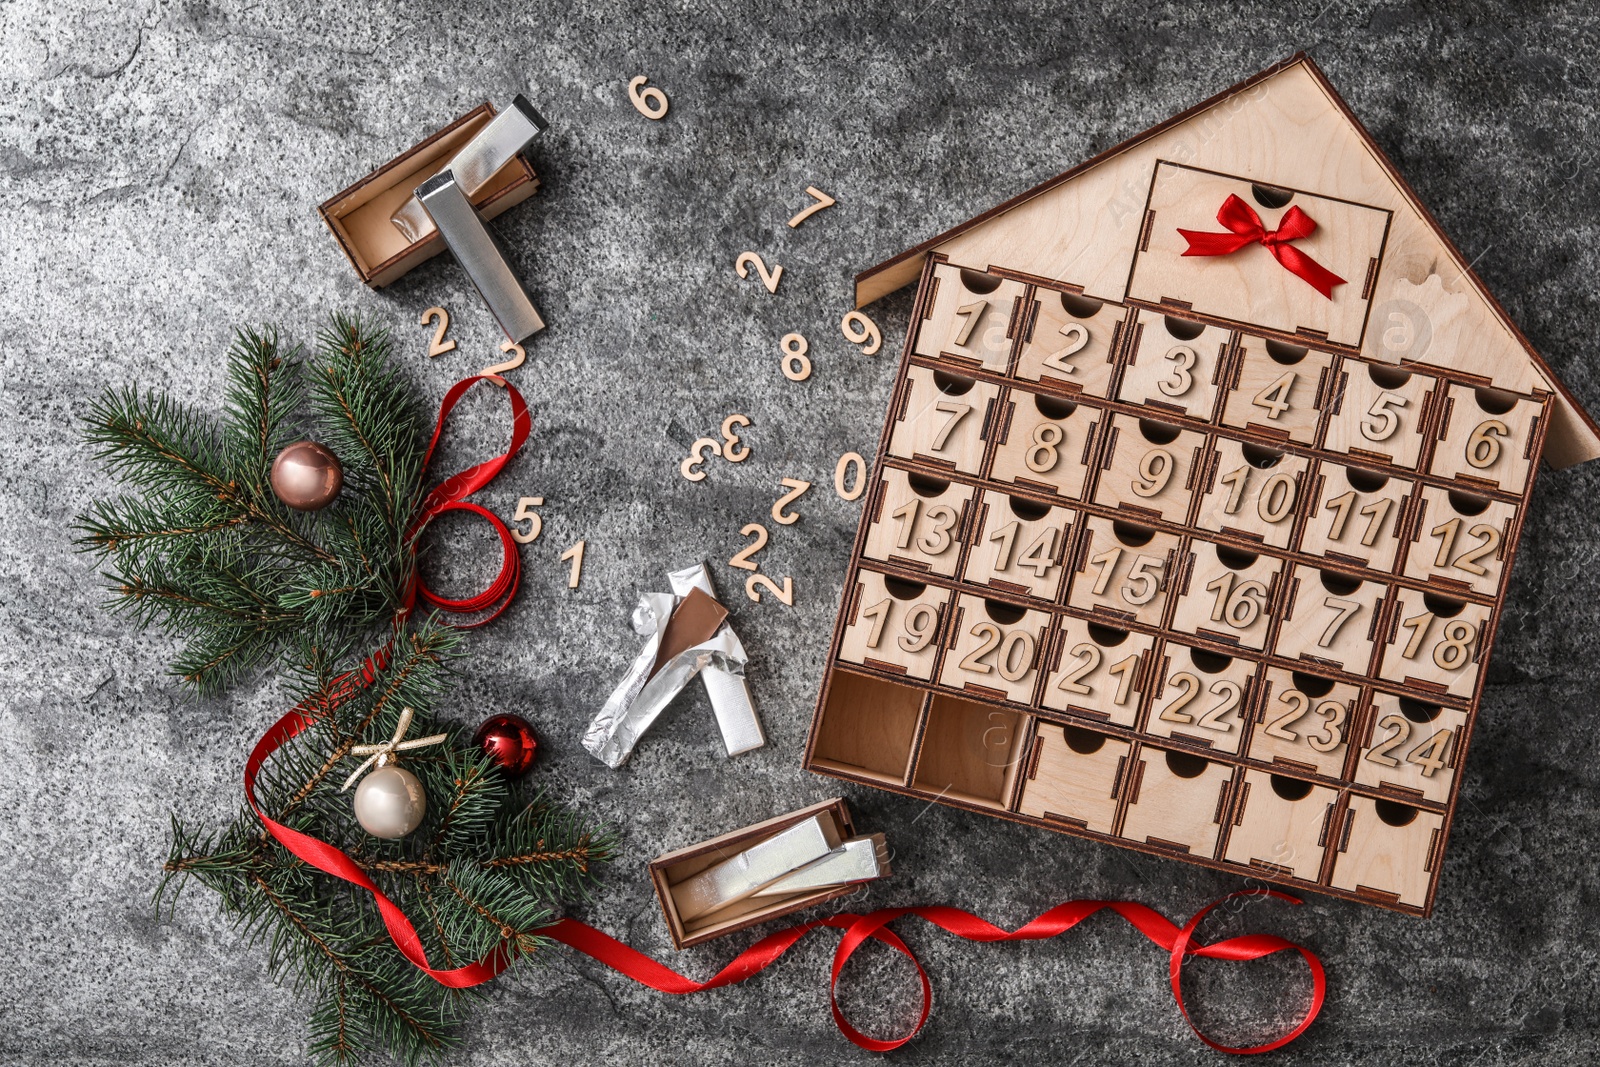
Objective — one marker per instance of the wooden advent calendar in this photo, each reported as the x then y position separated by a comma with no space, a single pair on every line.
1175,551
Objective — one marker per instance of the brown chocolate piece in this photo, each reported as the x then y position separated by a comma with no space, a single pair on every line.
695,619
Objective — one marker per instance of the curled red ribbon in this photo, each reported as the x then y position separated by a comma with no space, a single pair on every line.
1245,228
1178,942
858,929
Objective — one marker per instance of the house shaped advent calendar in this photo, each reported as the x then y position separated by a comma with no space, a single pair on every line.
1192,516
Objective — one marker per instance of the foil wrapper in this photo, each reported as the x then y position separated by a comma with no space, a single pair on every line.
744,873
479,160
728,691
860,859
480,255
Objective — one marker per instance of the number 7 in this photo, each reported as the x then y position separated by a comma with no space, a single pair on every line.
957,412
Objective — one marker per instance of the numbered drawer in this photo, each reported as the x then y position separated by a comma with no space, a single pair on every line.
1177,801
1252,491
1045,443
1435,642
1227,594
1355,516
1332,619
995,648
970,318
1202,697
1412,747
1174,364
1071,341
1150,466
1390,850
1123,568
1020,546
918,521
1075,776
1486,437
1281,825
1098,671
1460,538
1278,389
970,752
894,624
1303,722
1379,412
943,419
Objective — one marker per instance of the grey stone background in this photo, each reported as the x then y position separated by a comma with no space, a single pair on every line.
162,162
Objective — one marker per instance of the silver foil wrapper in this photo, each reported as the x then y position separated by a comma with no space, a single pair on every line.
860,859
641,696
479,160
728,691
745,873
480,255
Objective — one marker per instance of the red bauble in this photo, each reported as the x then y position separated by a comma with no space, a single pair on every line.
510,742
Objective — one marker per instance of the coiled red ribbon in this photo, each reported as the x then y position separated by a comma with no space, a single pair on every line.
858,929
1245,228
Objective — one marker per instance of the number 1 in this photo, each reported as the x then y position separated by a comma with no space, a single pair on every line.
575,554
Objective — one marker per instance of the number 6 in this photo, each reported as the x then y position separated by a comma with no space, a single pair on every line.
652,102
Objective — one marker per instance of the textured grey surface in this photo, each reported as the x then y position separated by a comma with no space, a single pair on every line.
162,163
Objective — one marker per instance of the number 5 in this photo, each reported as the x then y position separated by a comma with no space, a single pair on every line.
1382,418
525,510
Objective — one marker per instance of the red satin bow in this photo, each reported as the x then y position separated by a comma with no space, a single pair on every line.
1245,228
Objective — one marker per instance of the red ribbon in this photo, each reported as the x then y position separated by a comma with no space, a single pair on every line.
448,496
1178,942
1245,228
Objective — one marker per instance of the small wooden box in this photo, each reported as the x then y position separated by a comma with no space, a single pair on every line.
668,870
358,217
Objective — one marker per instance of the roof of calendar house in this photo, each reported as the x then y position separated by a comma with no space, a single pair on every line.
1286,126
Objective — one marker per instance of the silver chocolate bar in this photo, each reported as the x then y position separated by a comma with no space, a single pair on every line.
475,248
742,874
860,859
728,691
481,159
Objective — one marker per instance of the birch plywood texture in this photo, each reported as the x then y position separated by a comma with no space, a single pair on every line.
1173,558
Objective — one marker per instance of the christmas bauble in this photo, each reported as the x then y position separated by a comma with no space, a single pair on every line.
510,742
390,802
307,476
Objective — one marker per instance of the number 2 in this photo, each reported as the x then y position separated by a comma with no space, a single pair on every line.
742,558
438,346
1077,339
757,582
770,279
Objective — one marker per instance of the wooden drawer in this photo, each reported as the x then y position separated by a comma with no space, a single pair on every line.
1435,643
1252,490
970,752
1098,671
1177,801
1174,364
1123,570
1459,539
995,648
971,319
1486,438
1278,390
1045,443
1303,722
893,624
1019,546
1281,825
944,419
1331,619
1411,747
1149,467
1355,516
1380,413
918,521
1228,593
1202,697
1070,342
1075,776
1388,850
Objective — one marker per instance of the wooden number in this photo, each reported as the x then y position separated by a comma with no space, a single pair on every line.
1483,447
1383,417
525,507
1418,625
511,364
742,558
879,614
1179,380
730,439
1275,397
1236,480
1330,731
438,346
1277,498
1430,755
1089,657
1376,511
1342,611
1239,607
1298,704
757,582
973,312
1190,685
1044,448
1077,336
841,476
933,541
860,330
1014,651
1155,471
1007,536
1038,557
689,467
822,200
957,412
1488,537
922,621
652,102
1455,651
797,489
1216,719
575,554
1107,562
769,279
796,366
1149,581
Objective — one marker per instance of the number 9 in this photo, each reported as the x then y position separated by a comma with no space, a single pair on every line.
860,330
